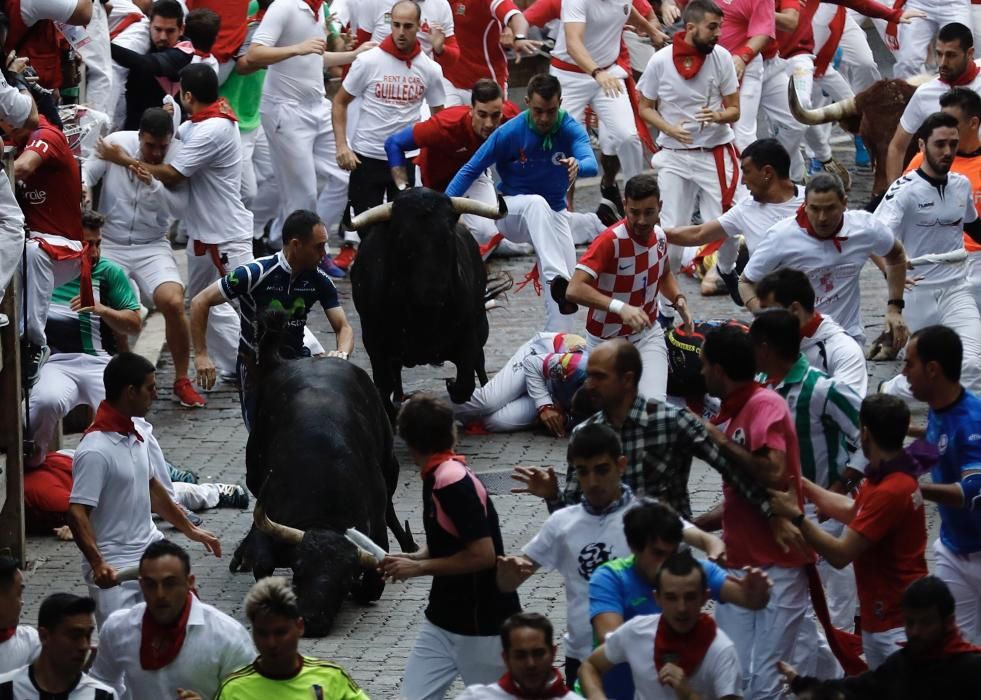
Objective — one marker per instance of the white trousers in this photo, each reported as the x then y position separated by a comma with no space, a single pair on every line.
654,361
831,86
974,274
11,233
962,574
43,276
98,62
915,37
764,637
503,404
304,159
857,62
438,657
954,306
223,320
749,104
531,220
480,227
135,37
109,600
260,192
67,380
196,496
455,97
976,23
783,126
879,645
580,90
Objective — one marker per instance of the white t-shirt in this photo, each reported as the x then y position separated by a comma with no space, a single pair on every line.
375,16
211,159
604,20
19,684
496,692
33,11
633,643
300,78
929,218
836,353
926,101
834,274
15,106
215,645
392,93
19,650
751,219
111,473
678,100
575,544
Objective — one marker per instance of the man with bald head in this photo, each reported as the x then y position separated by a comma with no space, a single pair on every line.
659,440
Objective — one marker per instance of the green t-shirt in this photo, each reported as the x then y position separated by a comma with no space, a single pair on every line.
316,680
68,331
244,92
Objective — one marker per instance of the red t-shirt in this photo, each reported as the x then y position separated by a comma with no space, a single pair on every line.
52,195
890,516
447,140
801,40
231,33
477,25
763,422
745,18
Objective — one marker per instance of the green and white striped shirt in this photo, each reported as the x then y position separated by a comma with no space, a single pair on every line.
826,418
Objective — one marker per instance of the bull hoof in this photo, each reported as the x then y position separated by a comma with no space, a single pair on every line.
458,392
261,572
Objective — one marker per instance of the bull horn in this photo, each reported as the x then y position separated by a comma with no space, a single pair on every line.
821,115
366,560
130,573
274,529
382,212
463,205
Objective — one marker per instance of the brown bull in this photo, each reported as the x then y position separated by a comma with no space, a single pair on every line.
872,114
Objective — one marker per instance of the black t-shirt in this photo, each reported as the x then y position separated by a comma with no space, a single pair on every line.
456,511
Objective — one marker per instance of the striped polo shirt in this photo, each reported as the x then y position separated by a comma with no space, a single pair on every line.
825,415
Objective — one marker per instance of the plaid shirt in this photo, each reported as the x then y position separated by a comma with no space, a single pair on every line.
659,441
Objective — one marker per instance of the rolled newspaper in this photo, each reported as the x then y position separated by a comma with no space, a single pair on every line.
365,544
954,256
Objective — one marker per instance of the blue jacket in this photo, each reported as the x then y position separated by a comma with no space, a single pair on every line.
523,163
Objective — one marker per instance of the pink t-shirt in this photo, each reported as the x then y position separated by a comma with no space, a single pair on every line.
745,18
763,422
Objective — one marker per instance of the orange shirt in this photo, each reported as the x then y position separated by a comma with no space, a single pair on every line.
969,167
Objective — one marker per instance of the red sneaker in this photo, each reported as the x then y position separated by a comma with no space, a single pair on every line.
185,393
490,246
346,257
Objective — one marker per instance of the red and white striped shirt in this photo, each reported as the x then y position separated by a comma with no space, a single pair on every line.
478,25
625,269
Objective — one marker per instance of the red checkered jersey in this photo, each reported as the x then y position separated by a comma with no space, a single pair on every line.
447,140
625,269
477,24
52,195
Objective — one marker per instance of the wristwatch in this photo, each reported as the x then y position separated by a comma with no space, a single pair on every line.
595,70
898,303
520,37
798,520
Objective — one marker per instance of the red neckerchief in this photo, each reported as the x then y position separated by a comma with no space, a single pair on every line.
109,420
218,108
389,47
555,688
160,645
438,458
732,404
315,6
954,644
7,632
687,59
683,650
965,78
805,224
810,328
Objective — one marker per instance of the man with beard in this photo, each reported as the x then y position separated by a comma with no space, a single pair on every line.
529,655
690,93
766,174
619,280
928,210
138,213
956,67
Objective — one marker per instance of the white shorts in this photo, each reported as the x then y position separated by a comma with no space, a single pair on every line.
438,657
879,645
148,264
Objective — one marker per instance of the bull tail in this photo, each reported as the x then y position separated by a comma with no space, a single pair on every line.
272,335
497,284
402,533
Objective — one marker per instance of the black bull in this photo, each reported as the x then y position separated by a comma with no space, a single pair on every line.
319,460
420,288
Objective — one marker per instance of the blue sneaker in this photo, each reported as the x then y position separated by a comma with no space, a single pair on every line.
815,166
183,475
332,270
862,157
